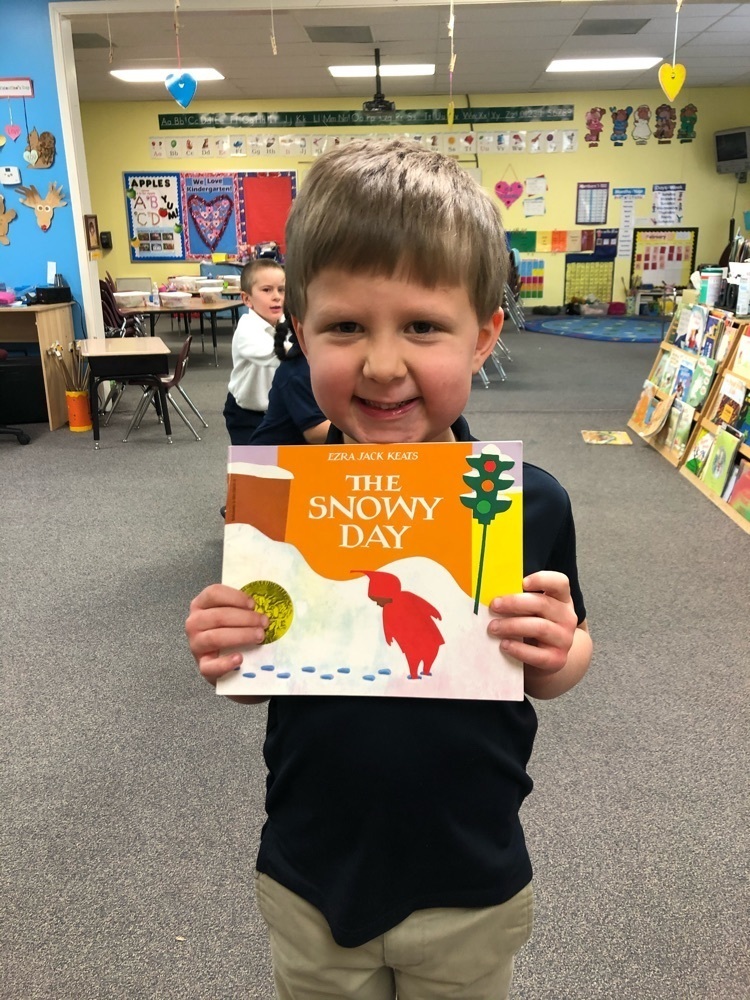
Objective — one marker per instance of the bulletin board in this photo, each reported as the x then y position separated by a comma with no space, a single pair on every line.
192,215
664,256
587,275
154,211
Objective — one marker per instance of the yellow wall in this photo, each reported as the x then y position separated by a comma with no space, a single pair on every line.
117,140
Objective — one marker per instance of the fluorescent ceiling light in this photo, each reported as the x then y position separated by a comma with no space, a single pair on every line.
409,69
160,75
600,65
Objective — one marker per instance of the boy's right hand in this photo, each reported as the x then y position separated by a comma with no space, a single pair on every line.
222,618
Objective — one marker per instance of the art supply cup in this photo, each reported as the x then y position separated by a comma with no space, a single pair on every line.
79,411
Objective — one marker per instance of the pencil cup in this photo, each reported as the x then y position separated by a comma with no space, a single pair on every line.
630,305
79,411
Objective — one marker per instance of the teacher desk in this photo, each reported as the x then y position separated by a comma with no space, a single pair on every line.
43,325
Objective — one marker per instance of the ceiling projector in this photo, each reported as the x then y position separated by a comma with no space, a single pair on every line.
378,105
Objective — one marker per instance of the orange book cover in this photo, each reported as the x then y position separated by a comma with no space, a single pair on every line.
375,565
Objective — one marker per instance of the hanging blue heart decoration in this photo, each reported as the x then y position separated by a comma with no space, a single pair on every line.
182,86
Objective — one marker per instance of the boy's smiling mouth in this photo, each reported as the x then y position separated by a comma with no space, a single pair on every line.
386,409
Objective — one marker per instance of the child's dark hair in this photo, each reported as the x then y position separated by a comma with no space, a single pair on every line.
284,333
250,270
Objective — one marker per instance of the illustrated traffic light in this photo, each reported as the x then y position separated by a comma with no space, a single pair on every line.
487,482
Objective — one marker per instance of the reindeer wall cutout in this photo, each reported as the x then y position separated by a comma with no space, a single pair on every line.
6,217
44,207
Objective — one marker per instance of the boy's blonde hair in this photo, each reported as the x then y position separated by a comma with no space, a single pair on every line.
250,271
394,207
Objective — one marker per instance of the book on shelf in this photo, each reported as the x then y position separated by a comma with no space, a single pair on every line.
684,377
666,370
712,335
691,336
682,427
718,465
727,491
739,498
690,330
375,565
670,427
729,400
699,450
701,381
741,365
655,416
678,326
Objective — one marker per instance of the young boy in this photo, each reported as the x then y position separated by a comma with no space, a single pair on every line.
254,360
393,858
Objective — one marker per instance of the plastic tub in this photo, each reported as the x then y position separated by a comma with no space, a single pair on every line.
131,300
177,300
210,296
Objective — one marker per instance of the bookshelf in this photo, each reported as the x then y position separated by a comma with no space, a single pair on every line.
706,422
685,415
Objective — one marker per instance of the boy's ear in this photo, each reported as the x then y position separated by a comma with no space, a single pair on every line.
300,333
246,299
486,339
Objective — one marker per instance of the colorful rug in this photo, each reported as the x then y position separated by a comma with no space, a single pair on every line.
635,329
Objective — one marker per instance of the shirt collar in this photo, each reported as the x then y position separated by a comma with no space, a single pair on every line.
460,428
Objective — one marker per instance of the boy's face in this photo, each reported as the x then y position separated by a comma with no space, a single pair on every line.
391,360
266,297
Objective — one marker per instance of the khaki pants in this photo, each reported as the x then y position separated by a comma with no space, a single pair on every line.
435,954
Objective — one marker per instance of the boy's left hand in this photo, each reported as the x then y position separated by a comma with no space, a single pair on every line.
537,626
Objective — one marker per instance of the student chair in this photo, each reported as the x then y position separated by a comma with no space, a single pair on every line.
22,436
159,388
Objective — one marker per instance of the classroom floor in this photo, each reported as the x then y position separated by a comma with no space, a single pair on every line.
133,797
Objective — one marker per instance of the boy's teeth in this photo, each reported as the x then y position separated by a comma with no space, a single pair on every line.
383,406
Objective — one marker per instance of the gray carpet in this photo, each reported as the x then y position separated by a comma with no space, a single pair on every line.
133,798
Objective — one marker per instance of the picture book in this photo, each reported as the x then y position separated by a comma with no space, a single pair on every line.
699,451
683,427
684,377
646,402
715,324
724,342
666,371
692,335
375,565
606,437
679,324
729,486
740,496
729,401
718,465
741,364
670,426
701,381
656,416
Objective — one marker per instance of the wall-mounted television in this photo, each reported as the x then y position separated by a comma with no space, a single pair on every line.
733,150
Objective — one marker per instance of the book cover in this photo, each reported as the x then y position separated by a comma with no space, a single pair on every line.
684,323
740,496
689,338
606,437
656,416
741,364
665,378
729,401
699,451
684,377
679,323
718,465
670,427
701,381
646,402
375,565
686,415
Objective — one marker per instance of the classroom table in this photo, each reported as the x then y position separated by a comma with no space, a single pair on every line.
43,325
122,358
197,306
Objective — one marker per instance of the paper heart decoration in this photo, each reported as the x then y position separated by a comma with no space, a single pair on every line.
31,156
182,86
671,79
508,193
210,217
13,131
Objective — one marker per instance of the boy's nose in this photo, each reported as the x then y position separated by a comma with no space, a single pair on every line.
383,361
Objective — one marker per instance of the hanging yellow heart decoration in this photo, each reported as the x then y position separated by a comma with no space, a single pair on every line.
451,113
671,79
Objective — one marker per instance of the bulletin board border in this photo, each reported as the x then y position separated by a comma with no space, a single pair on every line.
670,234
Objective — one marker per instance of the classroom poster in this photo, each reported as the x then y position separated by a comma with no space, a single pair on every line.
265,201
210,209
154,212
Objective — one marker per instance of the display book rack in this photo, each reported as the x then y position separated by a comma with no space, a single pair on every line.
694,409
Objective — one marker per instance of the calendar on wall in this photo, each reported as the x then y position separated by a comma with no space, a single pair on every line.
663,256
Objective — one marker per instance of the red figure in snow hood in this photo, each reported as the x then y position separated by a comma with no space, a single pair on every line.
408,619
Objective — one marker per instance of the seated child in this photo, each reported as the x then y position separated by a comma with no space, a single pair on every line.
293,416
254,360
393,859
